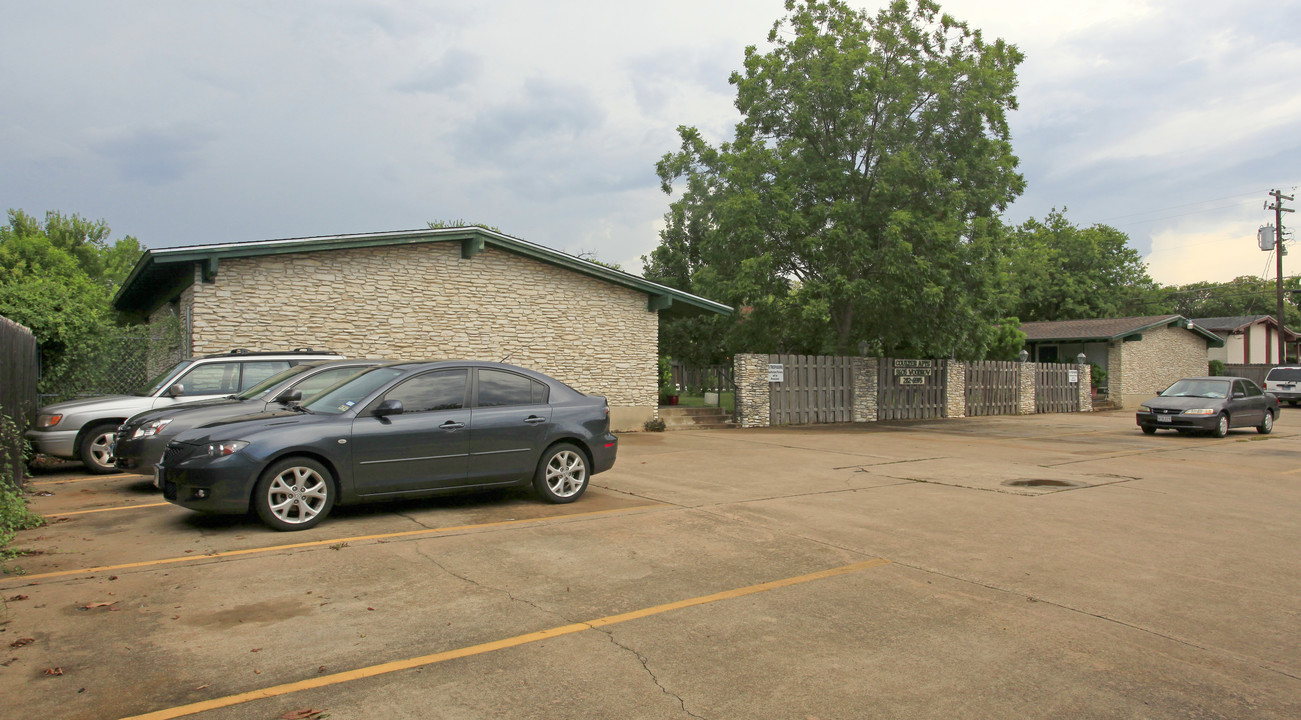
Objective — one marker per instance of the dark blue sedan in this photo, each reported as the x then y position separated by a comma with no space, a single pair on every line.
399,430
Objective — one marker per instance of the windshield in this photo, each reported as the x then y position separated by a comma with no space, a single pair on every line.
343,396
1198,388
265,386
158,382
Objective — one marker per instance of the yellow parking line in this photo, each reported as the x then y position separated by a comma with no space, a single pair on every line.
318,543
384,668
109,509
88,478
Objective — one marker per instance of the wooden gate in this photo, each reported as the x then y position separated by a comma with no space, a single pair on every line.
993,388
911,389
1053,390
813,389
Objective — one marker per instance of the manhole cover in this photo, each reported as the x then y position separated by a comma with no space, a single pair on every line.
1042,482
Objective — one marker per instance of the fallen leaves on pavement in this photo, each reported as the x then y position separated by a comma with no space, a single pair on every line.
22,642
108,605
54,671
305,714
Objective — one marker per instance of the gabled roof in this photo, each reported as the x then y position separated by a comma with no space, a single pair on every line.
1237,323
1110,329
159,274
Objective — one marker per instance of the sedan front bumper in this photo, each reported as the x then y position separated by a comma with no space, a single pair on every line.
55,443
1176,421
193,480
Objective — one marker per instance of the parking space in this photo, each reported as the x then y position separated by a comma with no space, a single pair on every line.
1040,566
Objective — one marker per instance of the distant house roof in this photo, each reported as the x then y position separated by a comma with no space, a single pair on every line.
1109,329
159,274
1238,323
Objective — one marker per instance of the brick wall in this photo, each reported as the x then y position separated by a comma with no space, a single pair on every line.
424,301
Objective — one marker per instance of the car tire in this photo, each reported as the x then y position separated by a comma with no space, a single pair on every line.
1148,429
96,450
1221,426
562,474
1266,425
294,494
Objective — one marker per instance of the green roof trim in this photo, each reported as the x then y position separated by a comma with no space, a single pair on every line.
159,274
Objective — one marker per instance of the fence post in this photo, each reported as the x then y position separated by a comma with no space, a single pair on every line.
1026,399
1086,387
752,399
866,388
955,389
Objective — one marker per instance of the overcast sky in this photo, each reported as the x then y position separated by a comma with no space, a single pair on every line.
201,122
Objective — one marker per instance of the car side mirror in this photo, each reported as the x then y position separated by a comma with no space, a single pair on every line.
1239,394
389,407
176,390
289,396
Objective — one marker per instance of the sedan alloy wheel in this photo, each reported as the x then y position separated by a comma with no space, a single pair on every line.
294,494
562,474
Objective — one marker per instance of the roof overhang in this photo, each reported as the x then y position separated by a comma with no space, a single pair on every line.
1136,333
160,275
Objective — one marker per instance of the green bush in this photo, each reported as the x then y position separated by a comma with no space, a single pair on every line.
14,513
1217,367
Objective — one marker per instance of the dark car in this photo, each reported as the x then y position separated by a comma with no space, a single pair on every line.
142,438
1209,404
395,431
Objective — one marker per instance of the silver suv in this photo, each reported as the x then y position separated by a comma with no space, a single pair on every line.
1284,383
85,429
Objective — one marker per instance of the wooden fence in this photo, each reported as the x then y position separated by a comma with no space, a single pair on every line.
993,388
19,373
1254,372
1054,392
815,389
911,389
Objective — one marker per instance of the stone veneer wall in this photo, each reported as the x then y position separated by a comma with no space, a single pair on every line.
1149,365
752,394
1026,398
1085,387
955,389
867,391
424,301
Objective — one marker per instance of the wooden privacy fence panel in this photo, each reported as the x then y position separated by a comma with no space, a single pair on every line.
19,372
1053,390
911,389
993,388
814,389
1254,372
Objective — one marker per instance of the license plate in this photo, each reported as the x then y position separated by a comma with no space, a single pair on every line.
1164,418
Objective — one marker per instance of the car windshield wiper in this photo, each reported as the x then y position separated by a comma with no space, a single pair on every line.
299,408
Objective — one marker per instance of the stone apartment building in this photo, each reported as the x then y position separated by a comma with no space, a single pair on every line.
1141,355
457,293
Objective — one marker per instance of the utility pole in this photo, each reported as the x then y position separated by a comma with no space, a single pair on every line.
1278,209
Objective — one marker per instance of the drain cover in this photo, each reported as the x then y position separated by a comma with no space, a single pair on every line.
1042,482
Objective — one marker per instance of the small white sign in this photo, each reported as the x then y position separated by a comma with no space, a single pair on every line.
1075,376
776,372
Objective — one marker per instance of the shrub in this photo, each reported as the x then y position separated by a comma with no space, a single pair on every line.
654,425
1217,367
14,514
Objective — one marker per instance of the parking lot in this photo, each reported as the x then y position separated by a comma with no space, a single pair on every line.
1053,566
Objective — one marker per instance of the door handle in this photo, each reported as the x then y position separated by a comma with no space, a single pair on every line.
451,425
534,419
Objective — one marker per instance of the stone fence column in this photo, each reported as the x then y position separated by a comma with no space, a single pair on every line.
955,389
752,395
1025,403
866,388
1086,387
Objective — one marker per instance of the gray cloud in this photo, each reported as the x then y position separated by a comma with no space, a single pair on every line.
154,156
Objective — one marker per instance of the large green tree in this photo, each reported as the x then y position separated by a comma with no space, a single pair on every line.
1063,272
58,276
859,199
1246,295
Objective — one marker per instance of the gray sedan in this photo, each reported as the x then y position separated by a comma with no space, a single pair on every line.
1209,404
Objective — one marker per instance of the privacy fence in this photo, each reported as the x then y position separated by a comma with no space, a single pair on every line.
19,372
805,389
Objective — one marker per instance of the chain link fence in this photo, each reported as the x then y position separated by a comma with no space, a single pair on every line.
118,362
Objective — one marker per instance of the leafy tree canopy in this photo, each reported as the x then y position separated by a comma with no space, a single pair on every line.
58,277
1063,272
1245,295
858,201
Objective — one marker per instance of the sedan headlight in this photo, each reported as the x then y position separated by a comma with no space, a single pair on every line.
1145,408
48,421
230,447
1200,411
150,429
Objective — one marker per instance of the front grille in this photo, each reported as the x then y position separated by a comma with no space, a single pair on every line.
169,490
1166,411
176,452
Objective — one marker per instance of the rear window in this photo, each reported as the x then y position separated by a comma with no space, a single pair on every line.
1289,374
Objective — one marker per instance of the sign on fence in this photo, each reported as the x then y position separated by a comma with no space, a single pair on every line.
913,372
776,372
